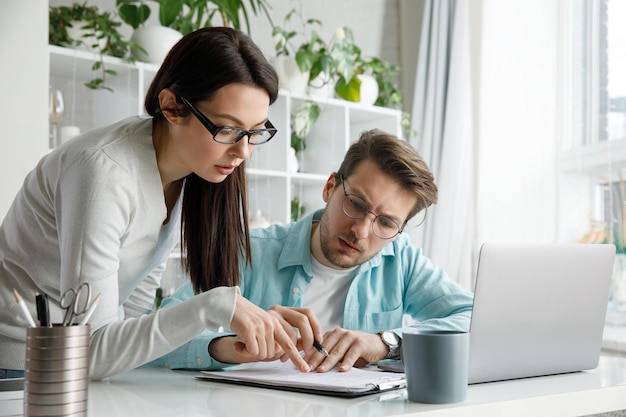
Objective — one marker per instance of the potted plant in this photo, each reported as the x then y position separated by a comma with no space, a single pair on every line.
324,63
384,72
179,17
85,26
189,15
154,42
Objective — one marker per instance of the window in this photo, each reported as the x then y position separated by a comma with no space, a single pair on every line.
596,147
599,78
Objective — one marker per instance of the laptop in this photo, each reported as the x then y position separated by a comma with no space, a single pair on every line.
539,309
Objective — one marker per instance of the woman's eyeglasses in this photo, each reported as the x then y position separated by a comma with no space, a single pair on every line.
230,134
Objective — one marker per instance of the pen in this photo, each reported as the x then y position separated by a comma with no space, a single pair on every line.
321,349
89,311
20,302
43,310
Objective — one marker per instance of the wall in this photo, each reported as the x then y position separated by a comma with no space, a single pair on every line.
23,108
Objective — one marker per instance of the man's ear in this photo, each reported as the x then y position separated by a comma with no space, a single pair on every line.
170,108
331,182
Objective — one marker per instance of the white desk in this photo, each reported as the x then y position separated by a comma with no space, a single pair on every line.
161,392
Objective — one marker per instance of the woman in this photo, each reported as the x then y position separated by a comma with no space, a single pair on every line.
107,208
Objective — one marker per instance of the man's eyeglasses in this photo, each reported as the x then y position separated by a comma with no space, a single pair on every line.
230,134
356,208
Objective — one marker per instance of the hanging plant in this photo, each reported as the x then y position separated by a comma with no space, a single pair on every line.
98,33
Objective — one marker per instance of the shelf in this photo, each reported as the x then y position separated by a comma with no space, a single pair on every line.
78,64
302,177
272,184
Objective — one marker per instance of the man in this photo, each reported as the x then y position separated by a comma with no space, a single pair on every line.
347,269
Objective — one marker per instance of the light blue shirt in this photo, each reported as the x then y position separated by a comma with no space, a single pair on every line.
398,280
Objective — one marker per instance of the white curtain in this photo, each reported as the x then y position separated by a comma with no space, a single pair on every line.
442,119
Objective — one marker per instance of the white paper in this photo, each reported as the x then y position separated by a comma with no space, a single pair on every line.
279,374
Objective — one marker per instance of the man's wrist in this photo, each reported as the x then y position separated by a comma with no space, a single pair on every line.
213,348
393,343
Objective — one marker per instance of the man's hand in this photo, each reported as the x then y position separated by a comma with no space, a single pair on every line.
348,348
267,336
302,319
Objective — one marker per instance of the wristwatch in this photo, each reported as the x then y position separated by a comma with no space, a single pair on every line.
393,341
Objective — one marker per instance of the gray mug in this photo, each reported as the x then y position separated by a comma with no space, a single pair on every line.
436,363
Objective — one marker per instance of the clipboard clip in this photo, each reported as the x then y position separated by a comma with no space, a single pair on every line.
384,384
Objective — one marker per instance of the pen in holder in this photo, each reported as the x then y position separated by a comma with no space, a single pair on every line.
57,370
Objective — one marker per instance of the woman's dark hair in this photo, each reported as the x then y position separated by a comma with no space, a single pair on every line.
214,215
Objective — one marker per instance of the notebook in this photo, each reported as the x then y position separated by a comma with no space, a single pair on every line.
539,309
284,376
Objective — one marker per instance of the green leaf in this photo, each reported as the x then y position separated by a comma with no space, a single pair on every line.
297,142
135,16
350,91
169,11
305,59
95,84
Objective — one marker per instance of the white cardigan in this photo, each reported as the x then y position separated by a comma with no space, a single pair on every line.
92,211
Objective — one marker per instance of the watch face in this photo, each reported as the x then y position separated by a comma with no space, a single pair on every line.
390,338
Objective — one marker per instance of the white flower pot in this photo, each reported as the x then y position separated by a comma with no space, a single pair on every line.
289,75
157,42
292,161
369,89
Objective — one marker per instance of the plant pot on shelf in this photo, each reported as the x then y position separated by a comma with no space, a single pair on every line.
293,164
156,41
289,75
369,89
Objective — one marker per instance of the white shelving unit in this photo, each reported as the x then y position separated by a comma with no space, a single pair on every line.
272,185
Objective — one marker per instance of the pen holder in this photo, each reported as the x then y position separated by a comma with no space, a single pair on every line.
57,370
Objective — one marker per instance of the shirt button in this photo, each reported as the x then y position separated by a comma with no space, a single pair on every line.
296,290
199,360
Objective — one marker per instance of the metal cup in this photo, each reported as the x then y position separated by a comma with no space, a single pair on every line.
436,365
56,374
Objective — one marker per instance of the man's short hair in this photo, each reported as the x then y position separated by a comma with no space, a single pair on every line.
397,159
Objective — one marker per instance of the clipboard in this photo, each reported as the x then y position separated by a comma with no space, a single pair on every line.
284,376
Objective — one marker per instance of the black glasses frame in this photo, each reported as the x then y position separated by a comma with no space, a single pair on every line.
214,129
366,211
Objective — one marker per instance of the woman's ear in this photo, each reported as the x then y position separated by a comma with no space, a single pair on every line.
170,107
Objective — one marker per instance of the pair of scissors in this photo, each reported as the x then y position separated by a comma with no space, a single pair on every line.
75,302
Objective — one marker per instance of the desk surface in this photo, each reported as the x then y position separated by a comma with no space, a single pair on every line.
162,392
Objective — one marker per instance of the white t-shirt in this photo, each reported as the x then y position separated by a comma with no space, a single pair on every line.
326,295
